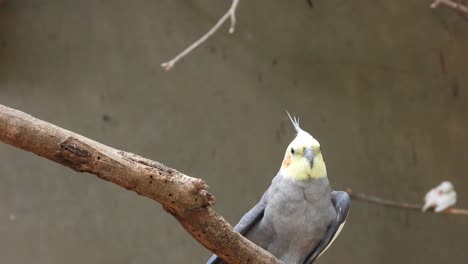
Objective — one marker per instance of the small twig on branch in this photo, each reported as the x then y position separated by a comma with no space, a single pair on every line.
230,14
451,4
400,205
182,196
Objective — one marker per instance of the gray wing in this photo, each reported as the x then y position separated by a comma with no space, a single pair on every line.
341,202
247,221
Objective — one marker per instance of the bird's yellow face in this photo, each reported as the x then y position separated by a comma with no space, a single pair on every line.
303,159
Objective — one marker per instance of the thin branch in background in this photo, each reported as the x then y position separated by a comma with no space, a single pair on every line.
230,14
451,4
400,205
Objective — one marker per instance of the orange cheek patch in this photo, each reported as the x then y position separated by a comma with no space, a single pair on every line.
287,161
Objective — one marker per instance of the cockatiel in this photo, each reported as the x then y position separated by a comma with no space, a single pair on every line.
299,216
441,197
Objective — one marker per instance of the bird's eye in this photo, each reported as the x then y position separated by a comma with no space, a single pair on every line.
292,151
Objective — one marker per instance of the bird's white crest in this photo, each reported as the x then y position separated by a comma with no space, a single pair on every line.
441,197
302,136
295,122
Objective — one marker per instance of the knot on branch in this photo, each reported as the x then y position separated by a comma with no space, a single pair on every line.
208,200
76,154
200,186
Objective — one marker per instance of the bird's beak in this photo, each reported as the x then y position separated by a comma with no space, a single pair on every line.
309,155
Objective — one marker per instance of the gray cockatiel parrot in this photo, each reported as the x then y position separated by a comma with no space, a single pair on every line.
299,216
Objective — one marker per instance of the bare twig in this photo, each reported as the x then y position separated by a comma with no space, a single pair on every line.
451,4
184,197
400,205
230,14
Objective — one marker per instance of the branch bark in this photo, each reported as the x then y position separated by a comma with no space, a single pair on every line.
184,197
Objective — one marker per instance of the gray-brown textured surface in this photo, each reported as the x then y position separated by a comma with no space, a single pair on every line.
382,85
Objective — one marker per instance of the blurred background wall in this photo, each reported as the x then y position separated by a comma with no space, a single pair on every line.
382,84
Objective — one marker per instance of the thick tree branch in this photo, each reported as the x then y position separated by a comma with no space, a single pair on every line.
400,205
184,197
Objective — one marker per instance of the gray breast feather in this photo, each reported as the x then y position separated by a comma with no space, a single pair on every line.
250,222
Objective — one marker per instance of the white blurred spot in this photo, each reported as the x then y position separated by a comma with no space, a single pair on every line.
12,217
440,198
